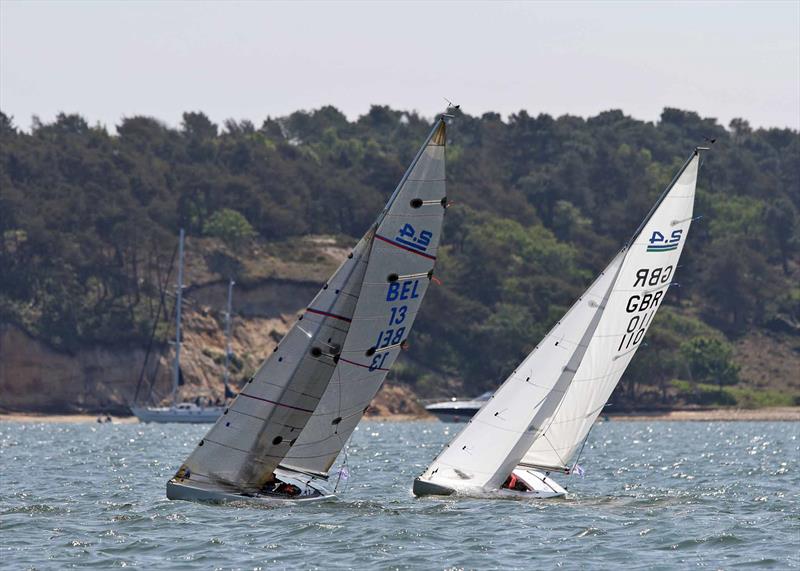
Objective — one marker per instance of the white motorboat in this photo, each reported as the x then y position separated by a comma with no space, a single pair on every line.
458,410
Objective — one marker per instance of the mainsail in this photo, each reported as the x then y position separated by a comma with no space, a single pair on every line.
542,413
401,265
378,288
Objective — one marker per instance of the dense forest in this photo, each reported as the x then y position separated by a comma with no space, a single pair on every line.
88,220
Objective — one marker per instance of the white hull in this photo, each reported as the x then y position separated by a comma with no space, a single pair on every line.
193,415
541,487
460,415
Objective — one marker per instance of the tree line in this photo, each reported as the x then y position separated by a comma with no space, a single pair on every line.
540,204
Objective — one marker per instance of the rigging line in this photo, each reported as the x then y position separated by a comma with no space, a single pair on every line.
339,387
560,459
161,302
343,467
597,316
578,457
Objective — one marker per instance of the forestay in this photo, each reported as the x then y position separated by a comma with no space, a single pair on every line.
544,410
402,257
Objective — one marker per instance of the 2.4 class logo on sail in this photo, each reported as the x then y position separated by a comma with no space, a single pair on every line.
408,237
658,243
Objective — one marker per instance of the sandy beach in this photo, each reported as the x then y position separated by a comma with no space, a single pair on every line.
784,413
787,414
56,418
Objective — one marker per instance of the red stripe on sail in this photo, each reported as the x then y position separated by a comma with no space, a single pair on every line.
276,403
326,314
406,248
361,365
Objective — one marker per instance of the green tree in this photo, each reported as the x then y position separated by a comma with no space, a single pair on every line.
230,226
710,360
781,220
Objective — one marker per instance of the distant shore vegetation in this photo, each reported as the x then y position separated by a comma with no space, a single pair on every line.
88,221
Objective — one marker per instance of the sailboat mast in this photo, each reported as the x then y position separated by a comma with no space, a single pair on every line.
228,337
178,304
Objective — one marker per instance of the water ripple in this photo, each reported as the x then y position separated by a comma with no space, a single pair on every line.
656,496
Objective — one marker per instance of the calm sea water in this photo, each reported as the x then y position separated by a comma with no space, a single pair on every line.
656,495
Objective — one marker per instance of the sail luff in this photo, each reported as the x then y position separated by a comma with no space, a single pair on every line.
662,196
438,127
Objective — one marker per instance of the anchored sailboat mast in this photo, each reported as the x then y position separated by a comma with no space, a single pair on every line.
227,373
176,374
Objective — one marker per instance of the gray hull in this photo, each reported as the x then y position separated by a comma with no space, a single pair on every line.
193,493
425,488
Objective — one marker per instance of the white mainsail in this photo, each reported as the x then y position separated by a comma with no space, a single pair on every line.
382,282
542,413
401,265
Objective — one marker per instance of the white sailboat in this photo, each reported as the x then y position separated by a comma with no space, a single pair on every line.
539,418
185,412
279,438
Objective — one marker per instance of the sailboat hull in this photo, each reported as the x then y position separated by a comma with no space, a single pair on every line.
186,414
311,489
540,487
196,493
426,488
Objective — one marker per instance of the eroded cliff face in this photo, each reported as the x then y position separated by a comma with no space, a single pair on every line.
34,377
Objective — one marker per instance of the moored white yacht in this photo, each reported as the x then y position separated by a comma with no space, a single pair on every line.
458,410
187,412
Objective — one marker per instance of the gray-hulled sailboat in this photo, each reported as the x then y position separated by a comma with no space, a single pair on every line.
537,421
279,438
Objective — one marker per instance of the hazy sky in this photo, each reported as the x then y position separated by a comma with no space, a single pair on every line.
107,60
